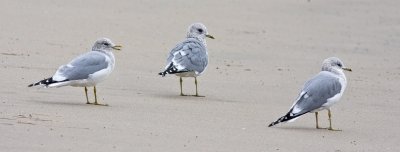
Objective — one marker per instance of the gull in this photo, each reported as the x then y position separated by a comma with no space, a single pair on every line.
319,93
189,58
85,70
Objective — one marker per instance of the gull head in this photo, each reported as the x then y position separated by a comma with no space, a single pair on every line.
198,30
333,64
105,44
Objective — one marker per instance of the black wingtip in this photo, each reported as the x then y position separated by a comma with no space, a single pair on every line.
281,119
270,125
35,84
289,116
162,74
171,70
45,82
275,122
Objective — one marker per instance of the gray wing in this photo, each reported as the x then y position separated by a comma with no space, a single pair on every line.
316,92
82,66
189,55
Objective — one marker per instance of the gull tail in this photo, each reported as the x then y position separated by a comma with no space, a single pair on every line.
171,69
45,82
288,117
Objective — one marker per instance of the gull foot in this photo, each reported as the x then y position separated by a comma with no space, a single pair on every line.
331,129
97,104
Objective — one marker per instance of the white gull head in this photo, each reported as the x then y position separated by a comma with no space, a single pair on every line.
198,31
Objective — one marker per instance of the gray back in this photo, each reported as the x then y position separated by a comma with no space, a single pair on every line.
319,89
192,55
84,65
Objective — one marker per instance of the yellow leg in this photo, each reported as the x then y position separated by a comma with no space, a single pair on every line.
316,120
95,96
330,121
195,82
87,98
180,81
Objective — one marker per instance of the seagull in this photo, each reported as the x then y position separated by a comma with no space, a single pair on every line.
319,93
85,70
189,58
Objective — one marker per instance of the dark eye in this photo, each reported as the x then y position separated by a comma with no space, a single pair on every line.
340,64
200,30
106,44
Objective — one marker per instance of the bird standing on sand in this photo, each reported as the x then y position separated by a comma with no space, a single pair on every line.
85,70
189,58
319,93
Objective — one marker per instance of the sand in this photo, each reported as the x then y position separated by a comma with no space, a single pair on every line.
263,53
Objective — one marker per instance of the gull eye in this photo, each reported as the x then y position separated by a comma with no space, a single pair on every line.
200,30
106,44
339,64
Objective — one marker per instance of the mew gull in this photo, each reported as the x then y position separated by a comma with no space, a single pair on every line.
85,70
189,58
320,92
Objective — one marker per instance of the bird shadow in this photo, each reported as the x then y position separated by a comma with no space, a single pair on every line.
62,103
302,128
190,97
176,96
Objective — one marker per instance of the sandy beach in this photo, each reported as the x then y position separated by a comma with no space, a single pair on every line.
263,53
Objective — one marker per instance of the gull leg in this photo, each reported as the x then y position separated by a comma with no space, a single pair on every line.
195,82
87,98
95,95
95,98
316,121
180,81
330,121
